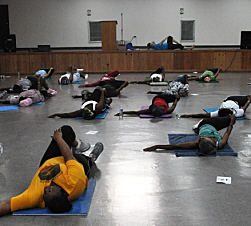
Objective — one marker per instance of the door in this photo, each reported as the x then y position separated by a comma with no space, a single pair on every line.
4,25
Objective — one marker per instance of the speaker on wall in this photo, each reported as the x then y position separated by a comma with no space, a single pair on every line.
246,40
10,44
44,48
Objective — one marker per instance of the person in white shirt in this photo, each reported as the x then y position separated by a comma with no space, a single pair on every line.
236,105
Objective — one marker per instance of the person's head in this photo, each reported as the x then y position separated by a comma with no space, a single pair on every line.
207,79
224,112
22,98
182,92
45,94
207,146
64,80
157,111
56,199
87,114
151,45
156,79
17,88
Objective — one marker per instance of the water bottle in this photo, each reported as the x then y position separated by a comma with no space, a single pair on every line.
3,94
120,113
1,149
18,75
177,116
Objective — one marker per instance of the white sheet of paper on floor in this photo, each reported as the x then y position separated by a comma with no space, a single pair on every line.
194,94
223,180
92,132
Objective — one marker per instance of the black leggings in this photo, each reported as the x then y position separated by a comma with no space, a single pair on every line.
240,100
158,71
171,45
218,123
54,151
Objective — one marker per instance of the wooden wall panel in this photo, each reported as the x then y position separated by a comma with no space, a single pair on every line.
127,61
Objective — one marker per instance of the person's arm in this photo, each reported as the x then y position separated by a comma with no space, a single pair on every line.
38,83
228,131
6,88
171,109
200,115
193,78
152,92
145,111
188,145
141,82
99,107
73,114
247,103
5,207
63,146
71,77
217,73
163,40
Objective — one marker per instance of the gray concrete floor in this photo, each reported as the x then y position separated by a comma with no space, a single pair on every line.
134,187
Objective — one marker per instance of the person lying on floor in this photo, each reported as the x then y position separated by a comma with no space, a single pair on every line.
236,105
209,140
170,44
62,175
112,88
156,76
158,107
95,104
208,75
30,82
111,76
27,98
45,72
178,86
72,75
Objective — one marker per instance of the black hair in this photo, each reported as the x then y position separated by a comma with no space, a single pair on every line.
59,204
17,88
149,45
224,112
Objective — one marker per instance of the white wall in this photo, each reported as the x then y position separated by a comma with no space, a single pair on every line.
63,23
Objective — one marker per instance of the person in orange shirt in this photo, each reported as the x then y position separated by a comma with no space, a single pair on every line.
61,177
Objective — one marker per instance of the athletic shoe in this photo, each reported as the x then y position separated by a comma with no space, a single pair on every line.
98,148
82,148
52,92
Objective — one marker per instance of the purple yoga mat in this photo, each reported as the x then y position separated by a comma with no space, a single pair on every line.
151,116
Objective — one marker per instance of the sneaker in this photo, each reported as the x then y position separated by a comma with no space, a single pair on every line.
52,92
98,148
3,94
82,148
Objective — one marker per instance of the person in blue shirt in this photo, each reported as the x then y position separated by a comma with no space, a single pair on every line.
170,43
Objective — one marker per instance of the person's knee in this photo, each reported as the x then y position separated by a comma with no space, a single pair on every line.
68,133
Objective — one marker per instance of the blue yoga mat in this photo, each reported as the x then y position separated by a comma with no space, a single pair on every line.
9,108
80,206
76,82
184,138
209,110
99,116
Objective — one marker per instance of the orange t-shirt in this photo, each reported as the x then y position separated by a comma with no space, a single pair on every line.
70,176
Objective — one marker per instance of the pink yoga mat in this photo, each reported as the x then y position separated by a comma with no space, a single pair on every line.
151,116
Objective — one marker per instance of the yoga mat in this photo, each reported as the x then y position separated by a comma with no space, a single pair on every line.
77,82
39,103
209,110
80,206
151,116
214,81
160,83
99,116
9,108
184,138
